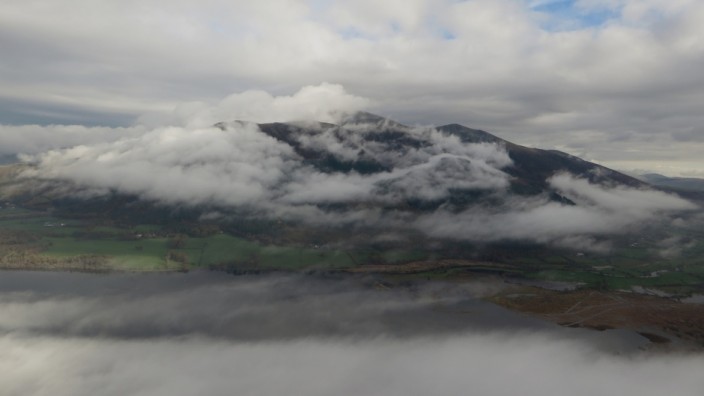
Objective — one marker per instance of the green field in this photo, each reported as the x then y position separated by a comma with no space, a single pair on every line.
150,247
225,249
130,255
130,249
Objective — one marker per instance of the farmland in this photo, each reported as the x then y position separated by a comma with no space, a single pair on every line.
41,237
39,240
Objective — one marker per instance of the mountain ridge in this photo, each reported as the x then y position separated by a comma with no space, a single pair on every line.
531,168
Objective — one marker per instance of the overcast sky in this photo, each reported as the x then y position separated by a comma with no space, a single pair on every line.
615,81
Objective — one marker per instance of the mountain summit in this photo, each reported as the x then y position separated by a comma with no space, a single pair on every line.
376,139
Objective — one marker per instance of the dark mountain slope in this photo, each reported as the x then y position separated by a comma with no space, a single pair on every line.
530,171
532,167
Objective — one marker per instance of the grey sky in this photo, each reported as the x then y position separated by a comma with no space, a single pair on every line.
616,81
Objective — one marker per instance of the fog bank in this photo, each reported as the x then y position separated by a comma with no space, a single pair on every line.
482,364
77,334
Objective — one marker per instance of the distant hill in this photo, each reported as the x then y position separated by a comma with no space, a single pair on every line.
687,187
677,183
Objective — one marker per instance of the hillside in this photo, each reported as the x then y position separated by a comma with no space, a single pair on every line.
530,169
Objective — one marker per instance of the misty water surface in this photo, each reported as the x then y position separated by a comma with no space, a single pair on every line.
217,334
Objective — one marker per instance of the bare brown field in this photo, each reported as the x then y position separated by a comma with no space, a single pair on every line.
657,318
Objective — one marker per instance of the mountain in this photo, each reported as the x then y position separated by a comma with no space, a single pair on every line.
530,170
364,178
404,167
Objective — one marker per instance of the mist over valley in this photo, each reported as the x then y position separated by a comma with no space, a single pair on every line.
75,334
425,197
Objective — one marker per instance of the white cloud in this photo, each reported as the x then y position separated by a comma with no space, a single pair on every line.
618,200
35,139
497,364
322,103
599,211
178,165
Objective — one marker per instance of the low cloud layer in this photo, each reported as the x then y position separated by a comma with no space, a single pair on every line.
598,210
241,165
35,139
236,166
498,364
357,341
